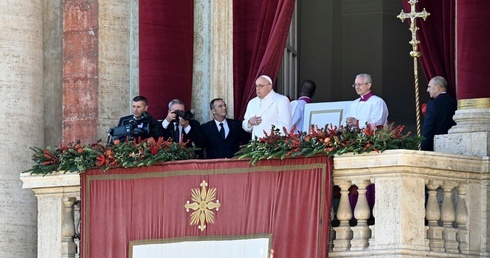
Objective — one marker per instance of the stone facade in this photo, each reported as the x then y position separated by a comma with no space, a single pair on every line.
21,88
69,70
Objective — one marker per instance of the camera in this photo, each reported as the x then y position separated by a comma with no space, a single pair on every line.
186,115
132,128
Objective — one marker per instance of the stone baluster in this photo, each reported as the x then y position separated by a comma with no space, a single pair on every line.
448,216
373,227
331,231
343,233
77,217
433,214
68,246
462,219
361,232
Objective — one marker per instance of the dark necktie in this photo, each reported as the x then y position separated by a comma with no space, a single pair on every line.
176,136
222,131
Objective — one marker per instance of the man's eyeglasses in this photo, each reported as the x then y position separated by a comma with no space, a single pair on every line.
359,84
260,86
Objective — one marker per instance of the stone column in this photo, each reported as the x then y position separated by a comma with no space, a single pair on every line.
80,70
53,70
213,56
471,135
221,76
117,62
21,88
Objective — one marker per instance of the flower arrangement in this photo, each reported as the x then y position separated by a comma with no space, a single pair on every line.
75,157
329,141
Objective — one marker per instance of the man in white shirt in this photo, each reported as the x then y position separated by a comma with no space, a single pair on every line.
308,88
368,108
267,109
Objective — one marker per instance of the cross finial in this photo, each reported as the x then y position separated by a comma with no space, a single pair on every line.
412,15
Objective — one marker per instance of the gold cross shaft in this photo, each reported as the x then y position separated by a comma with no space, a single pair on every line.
415,53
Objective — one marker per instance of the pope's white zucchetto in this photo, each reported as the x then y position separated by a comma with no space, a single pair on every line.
267,78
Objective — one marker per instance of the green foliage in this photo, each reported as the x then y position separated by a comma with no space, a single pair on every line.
329,141
135,153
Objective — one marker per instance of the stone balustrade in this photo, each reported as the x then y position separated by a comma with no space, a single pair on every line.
427,204
58,218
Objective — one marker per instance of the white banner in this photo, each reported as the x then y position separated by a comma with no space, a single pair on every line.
243,248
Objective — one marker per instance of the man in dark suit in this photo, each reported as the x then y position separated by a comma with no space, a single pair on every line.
222,136
180,127
140,123
439,112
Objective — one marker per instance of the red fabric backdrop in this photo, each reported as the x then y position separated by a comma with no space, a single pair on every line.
473,25
260,30
166,40
289,199
437,39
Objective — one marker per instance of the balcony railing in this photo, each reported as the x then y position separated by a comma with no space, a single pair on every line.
426,205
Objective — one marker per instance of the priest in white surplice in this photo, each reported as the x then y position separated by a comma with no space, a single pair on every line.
267,109
369,108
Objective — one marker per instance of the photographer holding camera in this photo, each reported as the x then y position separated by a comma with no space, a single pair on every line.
180,125
139,124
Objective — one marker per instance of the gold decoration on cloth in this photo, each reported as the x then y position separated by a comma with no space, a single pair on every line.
203,204
477,103
415,53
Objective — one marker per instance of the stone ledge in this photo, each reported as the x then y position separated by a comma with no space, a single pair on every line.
422,160
472,143
56,179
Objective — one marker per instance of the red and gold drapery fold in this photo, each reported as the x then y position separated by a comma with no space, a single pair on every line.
287,199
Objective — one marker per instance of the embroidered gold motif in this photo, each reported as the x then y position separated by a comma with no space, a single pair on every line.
202,206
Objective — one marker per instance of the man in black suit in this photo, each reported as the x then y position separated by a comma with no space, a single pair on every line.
439,112
180,127
222,136
140,123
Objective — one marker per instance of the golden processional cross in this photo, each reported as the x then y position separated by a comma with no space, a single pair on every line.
415,53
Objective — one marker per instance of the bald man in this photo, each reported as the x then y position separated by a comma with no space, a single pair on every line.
440,112
267,109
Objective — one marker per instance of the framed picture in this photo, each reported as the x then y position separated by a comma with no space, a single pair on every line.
325,114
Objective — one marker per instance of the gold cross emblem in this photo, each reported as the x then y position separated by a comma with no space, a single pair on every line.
413,15
203,204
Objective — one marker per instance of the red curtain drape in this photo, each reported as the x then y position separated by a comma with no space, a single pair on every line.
473,49
289,199
260,30
166,40
437,39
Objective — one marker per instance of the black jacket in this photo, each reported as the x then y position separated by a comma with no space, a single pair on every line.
194,135
438,119
216,147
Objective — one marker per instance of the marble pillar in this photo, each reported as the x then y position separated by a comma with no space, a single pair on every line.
21,88
213,56
117,62
80,70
